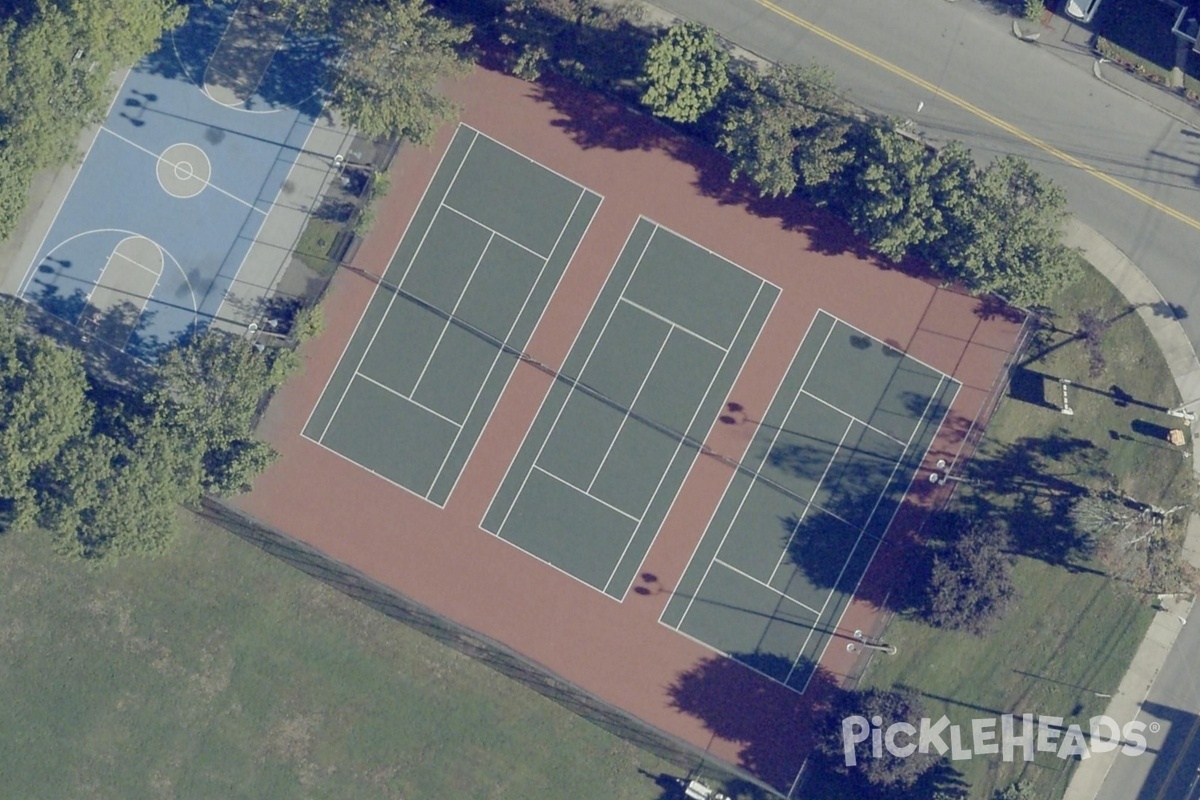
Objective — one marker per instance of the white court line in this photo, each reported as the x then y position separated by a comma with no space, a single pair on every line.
767,586
24,284
766,453
138,264
734,473
734,659
495,232
885,344
899,505
283,42
379,285
674,324
879,541
575,382
696,244
507,335
107,263
844,413
158,157
453,311
629,411
679,444
527,158
399,284
274,205
549,564
350,460
585,493
804,513
387,388
550,391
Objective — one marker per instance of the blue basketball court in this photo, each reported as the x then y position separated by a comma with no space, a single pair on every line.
194,153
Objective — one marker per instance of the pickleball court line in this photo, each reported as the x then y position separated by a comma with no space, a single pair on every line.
735,472
891,520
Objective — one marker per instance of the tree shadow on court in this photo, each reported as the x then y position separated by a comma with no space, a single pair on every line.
595,121
771,722
295,77
103,363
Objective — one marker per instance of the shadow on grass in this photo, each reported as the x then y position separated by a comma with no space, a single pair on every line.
1033,483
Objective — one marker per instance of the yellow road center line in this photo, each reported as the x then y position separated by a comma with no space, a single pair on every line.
1007,127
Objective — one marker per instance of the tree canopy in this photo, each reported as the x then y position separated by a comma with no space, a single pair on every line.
971,587
685,72
886,770
55,62
103,468
787,128
1005,235
392,56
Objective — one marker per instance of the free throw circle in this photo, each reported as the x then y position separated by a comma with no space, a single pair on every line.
183,170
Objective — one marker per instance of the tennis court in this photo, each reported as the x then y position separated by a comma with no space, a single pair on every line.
450,318
618,432
825,472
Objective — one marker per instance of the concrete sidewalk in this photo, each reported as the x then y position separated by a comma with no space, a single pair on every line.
1181,360
315,166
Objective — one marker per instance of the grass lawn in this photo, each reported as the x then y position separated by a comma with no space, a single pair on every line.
1073,631
218,671
314,244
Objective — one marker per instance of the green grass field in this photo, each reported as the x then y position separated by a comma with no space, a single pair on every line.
217,671
1073,632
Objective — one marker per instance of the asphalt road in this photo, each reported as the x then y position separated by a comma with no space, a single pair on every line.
1130,171
975,82
1170,767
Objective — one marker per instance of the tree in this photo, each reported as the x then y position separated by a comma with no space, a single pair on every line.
885,769
393,55
111,498
1138,542
684,73
43,404
1006,237
890,197
971,587
789,128
206,394
55,64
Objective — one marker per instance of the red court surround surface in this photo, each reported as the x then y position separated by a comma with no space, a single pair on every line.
441,558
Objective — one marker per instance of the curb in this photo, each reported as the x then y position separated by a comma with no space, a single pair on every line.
1152,307
1180,355
1099,73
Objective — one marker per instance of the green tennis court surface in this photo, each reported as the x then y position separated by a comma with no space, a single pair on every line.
460,298
611,445
825,473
